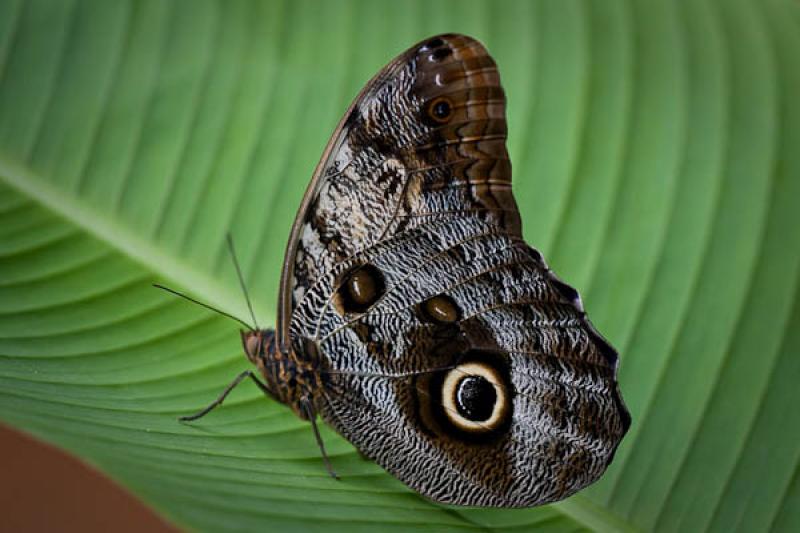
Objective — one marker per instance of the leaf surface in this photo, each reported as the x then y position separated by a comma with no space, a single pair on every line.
655,165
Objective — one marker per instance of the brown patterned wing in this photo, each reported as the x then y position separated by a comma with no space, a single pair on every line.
464,367
423,141
447,350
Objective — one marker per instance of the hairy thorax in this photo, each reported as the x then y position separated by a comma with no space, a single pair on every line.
291,378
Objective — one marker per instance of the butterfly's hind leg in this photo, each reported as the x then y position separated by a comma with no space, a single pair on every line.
312,417
210,407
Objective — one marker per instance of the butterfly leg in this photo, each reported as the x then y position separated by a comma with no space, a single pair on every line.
203,412
312,416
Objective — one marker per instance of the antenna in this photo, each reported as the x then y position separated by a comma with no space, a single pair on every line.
241,279
223,313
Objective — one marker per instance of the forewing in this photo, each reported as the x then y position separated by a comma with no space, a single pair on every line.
424,141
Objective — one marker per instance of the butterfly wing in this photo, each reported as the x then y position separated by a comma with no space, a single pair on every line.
449,352
425,139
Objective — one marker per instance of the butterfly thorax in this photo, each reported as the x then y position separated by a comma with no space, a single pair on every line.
291,378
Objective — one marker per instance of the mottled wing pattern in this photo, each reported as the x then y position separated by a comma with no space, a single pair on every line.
414,217
397,161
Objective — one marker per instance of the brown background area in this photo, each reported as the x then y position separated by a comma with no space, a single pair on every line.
44,489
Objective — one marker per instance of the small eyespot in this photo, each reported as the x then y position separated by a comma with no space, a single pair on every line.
439,309
360,288
440,110
439,54
433,43
475,398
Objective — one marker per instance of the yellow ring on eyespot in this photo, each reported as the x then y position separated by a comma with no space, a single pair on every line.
450,389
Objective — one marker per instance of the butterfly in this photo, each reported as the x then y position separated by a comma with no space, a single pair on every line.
413,317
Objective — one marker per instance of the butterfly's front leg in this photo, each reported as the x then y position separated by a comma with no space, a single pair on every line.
216,403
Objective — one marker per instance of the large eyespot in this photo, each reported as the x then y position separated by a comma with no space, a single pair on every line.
360,288
475,397
439,309
439,110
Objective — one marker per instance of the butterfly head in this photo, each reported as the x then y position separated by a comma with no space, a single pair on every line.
258,343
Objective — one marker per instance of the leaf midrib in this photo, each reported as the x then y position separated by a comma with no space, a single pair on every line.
117,236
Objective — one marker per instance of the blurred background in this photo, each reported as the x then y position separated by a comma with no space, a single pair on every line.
45,489
655,158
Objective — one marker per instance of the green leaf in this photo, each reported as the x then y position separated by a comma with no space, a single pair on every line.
656,167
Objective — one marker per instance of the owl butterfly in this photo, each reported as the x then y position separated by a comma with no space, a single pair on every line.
414,318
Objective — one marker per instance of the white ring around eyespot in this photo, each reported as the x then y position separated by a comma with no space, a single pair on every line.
449,389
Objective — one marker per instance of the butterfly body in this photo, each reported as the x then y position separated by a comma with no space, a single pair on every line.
289,377
415,319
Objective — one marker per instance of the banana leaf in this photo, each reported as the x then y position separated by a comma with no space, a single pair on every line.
656,165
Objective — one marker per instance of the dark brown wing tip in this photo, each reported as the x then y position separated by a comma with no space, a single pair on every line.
455,39
444,47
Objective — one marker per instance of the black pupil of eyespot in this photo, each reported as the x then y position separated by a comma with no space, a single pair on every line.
475,398
441,109
434,43
441,53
